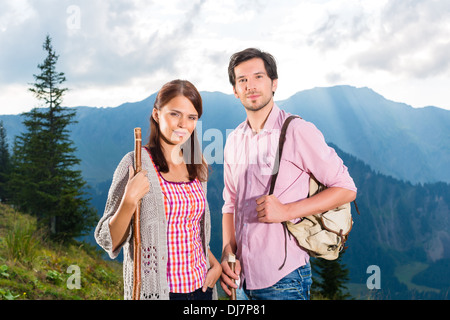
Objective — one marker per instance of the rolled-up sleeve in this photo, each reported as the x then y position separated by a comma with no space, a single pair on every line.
229,190
317,158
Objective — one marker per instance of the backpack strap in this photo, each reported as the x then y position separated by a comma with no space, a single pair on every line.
275,175
276,165
275,171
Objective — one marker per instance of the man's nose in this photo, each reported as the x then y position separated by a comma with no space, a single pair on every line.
250,85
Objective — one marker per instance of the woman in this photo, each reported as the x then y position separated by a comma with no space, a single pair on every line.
176,261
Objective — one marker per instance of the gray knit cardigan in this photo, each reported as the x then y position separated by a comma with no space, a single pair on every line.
153,232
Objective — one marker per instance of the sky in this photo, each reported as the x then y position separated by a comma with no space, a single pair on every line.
120,51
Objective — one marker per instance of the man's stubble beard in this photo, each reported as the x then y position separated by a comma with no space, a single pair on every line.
258,107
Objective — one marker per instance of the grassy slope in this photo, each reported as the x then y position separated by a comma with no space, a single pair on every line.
33,268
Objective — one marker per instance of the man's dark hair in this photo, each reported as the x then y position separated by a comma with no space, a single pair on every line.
250,53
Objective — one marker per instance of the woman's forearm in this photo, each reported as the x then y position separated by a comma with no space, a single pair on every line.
119,225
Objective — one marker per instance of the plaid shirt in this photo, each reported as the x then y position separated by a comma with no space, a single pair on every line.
184,204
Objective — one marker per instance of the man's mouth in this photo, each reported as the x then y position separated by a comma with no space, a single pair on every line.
253,96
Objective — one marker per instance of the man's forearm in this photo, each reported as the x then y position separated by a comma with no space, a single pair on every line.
326,200
228,234
270,210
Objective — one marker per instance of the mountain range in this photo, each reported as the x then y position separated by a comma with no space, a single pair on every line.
397,155
392,138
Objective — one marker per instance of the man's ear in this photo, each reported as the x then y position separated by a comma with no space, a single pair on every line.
274,85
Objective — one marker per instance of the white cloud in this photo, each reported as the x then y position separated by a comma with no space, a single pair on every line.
117,51
411,39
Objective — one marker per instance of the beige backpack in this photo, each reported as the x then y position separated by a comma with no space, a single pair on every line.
323,235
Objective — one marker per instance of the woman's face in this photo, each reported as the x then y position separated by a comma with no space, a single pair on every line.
176,119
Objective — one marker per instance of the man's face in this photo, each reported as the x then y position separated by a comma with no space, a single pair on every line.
253,86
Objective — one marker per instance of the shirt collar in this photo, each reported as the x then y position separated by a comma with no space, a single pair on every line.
270,122
272,118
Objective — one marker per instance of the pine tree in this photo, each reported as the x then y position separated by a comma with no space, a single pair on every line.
332,278
45,181
4,164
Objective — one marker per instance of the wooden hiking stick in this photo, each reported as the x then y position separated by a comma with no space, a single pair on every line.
137,220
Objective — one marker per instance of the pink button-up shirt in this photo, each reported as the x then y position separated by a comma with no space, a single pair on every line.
248,162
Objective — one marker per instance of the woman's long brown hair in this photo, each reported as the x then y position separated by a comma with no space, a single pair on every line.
192,153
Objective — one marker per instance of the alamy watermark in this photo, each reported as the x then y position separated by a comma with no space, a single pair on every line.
263,152
74,281
374,280
73,21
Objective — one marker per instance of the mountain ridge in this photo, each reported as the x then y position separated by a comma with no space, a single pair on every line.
393,138
402,221
401,227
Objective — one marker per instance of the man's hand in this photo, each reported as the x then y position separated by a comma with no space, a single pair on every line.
227,275
271,210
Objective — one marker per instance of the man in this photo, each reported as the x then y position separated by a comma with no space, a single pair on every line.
251,218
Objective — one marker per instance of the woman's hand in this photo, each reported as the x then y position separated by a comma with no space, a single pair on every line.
137,186
213,274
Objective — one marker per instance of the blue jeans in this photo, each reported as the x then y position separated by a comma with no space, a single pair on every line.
295,286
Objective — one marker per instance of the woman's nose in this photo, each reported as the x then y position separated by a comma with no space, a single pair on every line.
182,122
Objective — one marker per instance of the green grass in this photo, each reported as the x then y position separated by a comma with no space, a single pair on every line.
32,267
